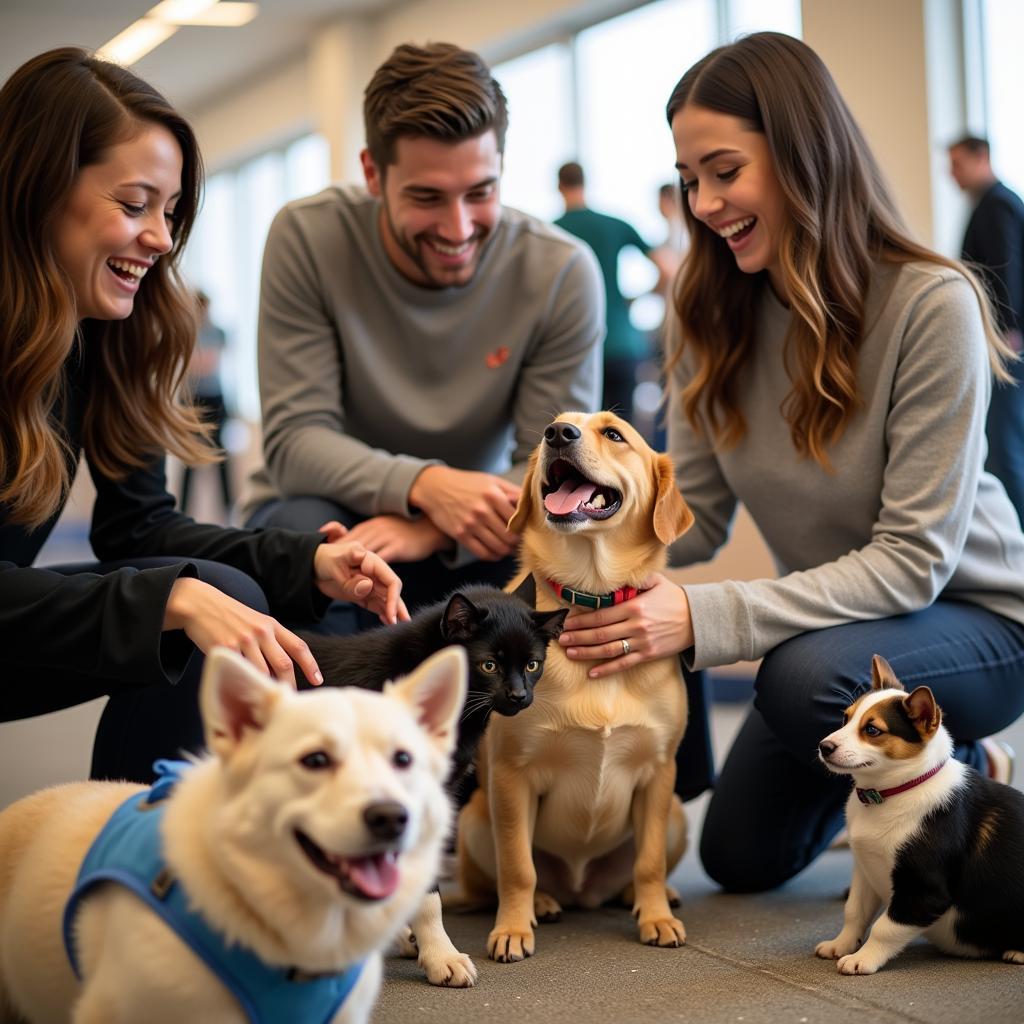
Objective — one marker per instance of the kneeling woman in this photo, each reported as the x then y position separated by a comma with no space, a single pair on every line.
99,186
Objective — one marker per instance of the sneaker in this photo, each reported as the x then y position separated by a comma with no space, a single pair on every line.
1000,757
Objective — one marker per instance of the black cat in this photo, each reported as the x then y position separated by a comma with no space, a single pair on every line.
505,638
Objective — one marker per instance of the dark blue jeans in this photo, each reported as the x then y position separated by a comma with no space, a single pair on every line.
146,720
774,807
423,582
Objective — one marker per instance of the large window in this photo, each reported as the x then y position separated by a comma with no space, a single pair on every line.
1002,31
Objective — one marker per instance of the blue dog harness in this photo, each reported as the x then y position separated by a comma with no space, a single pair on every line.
129,851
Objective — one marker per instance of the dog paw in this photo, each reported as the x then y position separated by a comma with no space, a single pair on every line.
507,945
546,909
456,970
662,931
858,963
1013,956
672,895
405,944
837,947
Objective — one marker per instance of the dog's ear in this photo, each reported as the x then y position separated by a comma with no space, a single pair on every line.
923,711
436,691
527,590
551,624
882,675
234,696
524,509
672,516
461,618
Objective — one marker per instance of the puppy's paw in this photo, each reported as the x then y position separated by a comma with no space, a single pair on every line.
859,963
507,945
454,970
662,931
546,909
672,895
405,944
1014,956
841,945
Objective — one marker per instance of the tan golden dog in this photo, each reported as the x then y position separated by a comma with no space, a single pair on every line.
577,796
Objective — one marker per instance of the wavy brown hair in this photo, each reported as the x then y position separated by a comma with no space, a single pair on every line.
61,112
840,220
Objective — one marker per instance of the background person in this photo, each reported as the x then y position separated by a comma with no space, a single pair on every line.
415,336
994,245
99,184
833,375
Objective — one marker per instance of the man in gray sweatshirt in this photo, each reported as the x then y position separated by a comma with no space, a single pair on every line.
415,337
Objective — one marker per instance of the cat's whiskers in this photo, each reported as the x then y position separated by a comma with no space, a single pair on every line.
475,702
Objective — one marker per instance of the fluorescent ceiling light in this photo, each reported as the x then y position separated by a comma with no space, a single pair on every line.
136,41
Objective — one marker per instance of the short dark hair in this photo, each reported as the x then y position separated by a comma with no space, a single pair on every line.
570,175
974,144
438,91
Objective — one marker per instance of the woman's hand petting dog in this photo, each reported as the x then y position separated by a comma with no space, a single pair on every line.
655,624
471,508
345,570
212,619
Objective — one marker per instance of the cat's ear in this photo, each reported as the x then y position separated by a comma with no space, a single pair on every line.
461,618
550,624
527,590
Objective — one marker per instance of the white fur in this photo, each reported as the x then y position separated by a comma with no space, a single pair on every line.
229,838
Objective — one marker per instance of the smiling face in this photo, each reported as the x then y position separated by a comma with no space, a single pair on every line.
730,184
118,221
440,203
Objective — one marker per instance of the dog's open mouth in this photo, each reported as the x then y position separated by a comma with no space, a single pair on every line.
374,876
569,495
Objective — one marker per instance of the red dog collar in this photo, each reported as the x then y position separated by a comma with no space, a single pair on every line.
593,600
877,796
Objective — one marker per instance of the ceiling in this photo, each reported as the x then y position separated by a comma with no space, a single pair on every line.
194,65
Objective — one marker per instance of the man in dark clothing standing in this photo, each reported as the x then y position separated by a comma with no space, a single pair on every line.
625,346
994,244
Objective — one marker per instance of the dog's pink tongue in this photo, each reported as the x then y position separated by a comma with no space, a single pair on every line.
377,876
568,498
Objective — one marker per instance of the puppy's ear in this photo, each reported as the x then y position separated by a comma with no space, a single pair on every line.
527,590
461,618
923,711
551,624
672,516
436,692
234,697
882,675
524,509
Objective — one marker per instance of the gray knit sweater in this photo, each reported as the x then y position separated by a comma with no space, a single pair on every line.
906,516
365,378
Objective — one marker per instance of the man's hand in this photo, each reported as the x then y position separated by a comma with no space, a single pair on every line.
346,571
399,540
471,508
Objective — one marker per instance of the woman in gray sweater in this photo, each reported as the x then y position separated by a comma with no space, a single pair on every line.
833,375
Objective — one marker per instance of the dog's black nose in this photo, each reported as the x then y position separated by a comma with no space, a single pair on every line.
559,434
827,747
386,820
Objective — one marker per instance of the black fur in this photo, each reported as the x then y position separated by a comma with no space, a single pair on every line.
496,629
967,854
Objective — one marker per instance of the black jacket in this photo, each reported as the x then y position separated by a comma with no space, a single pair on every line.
110,626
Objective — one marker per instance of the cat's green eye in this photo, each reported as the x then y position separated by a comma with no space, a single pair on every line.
489,667
532,666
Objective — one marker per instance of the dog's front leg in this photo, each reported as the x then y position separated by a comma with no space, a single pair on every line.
442,963
513,815
861,907
651,805
886,939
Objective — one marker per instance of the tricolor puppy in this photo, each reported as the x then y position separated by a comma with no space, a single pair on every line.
259,886
576,803
935,843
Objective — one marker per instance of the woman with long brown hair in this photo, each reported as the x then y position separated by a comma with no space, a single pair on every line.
99,187
833,375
